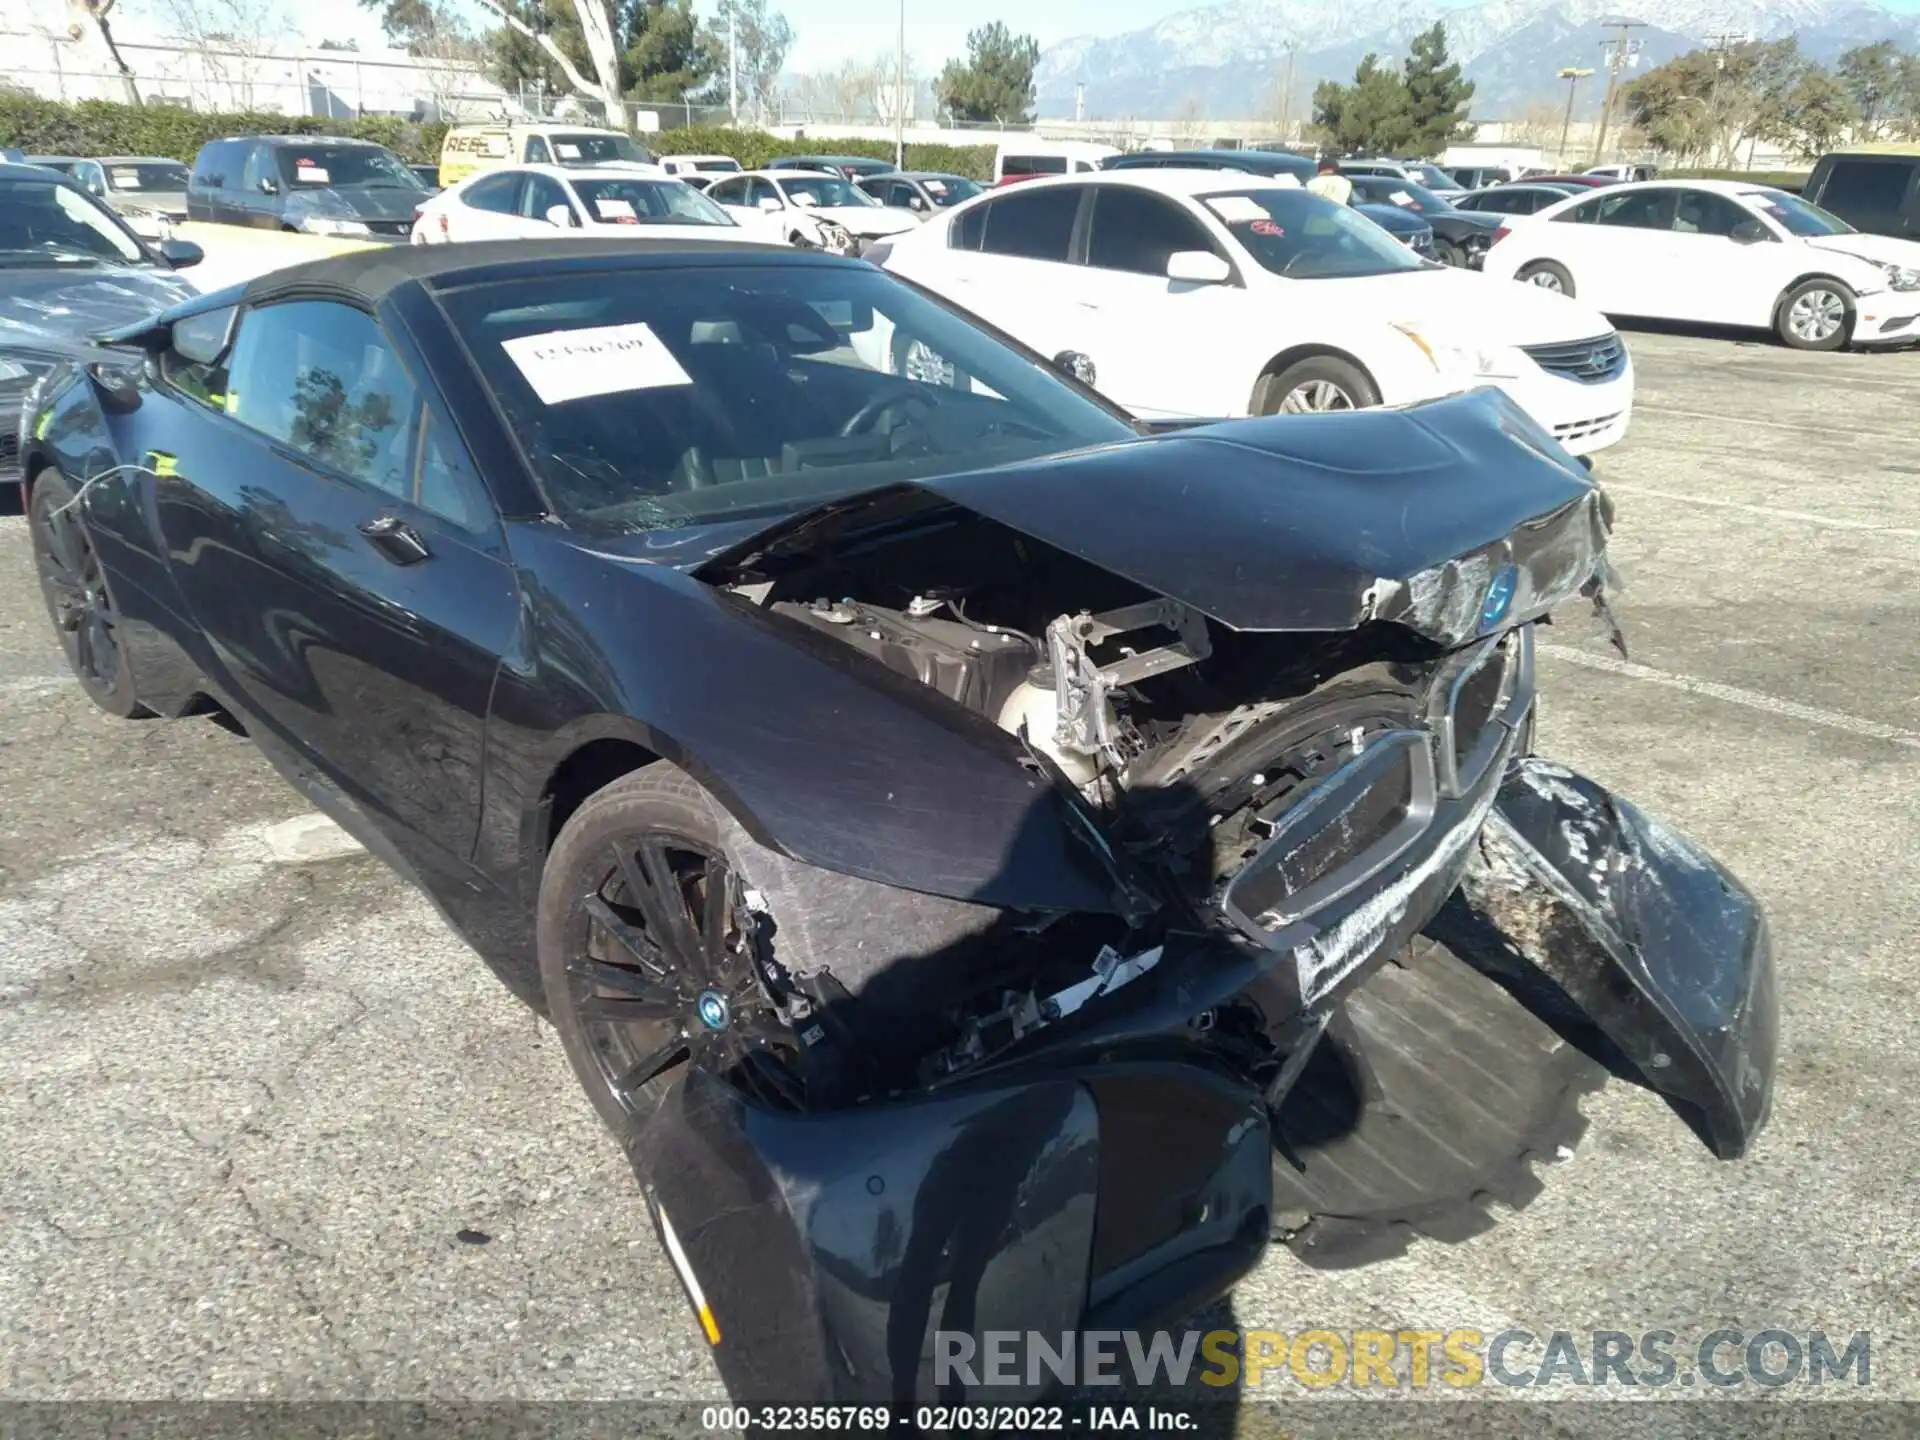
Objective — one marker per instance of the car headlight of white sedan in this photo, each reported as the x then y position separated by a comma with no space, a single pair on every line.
1486,362
1901,277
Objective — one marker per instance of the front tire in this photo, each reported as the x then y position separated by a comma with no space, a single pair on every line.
648,954
1317,385
1547,275
1815,315
79,600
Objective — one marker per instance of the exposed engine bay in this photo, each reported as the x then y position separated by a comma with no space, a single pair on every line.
1190,748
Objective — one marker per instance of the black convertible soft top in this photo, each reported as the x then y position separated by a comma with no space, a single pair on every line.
372,273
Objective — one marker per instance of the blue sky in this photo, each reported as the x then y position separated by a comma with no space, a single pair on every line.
829,31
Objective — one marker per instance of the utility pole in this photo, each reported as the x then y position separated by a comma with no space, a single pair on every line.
1286,95
900,95
1719,45
1079,101
733,69
1620,52
1573,77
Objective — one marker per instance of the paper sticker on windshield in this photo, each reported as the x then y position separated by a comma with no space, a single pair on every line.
935,187
311,174
1237,209
563,365
611,208
566,151
1401,197
125,179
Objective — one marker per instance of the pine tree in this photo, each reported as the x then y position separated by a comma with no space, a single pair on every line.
1436,95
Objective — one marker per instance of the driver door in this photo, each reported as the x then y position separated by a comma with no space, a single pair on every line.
1717,279
342,563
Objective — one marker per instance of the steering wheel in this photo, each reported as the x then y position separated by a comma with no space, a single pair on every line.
862,420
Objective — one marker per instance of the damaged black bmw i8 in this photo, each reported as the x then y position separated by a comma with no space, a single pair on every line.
991,867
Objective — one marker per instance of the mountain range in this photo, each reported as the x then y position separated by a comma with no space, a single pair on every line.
1229,61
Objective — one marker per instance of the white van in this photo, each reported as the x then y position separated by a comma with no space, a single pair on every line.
1025,158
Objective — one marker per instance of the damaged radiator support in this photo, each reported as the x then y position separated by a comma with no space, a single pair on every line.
1083,687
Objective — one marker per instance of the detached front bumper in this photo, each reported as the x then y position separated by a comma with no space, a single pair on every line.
1122,1179
1643,931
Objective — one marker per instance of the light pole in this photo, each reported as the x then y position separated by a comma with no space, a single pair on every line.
900,94
1573,77
733,69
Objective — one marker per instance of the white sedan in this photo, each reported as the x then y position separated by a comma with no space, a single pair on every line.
1211,294
1719,252
795,201
526,200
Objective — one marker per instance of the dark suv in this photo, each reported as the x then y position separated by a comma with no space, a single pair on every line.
1877,191
322,185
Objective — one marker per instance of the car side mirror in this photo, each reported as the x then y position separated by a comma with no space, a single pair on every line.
1075,365
769,204
269,185
917,203
1198,267
1748,232
561,216
181,253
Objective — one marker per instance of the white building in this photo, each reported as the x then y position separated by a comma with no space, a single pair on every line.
284,80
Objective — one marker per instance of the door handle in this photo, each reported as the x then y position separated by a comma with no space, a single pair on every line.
396,539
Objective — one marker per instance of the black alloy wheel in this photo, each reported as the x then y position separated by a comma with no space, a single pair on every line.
78,599
650,956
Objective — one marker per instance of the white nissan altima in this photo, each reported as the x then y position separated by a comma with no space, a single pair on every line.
1719,252
1212,294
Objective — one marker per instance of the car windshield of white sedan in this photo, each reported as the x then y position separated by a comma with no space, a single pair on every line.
649,399
823,190
130,178
590,149
1800,217
1303,237
346,167
46,223
648,202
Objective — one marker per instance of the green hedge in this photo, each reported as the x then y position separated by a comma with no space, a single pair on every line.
1779,179
101,127
754,148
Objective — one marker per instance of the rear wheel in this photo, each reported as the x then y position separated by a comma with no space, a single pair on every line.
1315,385
1815,315
78,598
1548,275
648,953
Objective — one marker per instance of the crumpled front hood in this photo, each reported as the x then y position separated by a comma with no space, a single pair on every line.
1310,522
55,309
1883,249
382,203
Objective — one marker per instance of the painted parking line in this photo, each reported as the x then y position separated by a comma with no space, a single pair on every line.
1831,432
1805,517
1734,695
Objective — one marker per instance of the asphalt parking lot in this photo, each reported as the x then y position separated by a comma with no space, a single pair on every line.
272,1132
